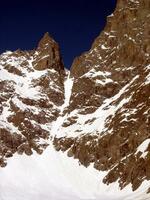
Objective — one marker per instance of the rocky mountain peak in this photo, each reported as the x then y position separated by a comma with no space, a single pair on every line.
48,55
46,41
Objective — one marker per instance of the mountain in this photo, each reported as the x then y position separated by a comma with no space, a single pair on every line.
108,117
91,126
32,91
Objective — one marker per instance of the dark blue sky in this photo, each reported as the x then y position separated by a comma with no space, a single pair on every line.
74,24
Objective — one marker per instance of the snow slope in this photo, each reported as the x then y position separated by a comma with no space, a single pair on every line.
68,89
91,123
67,94
54,176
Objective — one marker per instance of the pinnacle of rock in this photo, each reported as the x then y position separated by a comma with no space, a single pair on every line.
49,54
46,42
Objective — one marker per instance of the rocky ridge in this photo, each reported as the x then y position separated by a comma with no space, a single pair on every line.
31,93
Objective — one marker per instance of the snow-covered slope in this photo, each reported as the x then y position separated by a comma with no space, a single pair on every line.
54,176
92,123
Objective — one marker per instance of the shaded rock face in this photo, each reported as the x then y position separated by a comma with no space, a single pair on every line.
110,99
31,93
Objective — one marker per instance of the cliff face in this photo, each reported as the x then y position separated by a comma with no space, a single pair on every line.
116,56
100,114
109,110
31,93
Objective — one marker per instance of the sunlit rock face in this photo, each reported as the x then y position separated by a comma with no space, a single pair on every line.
116,56
109,110
99,112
